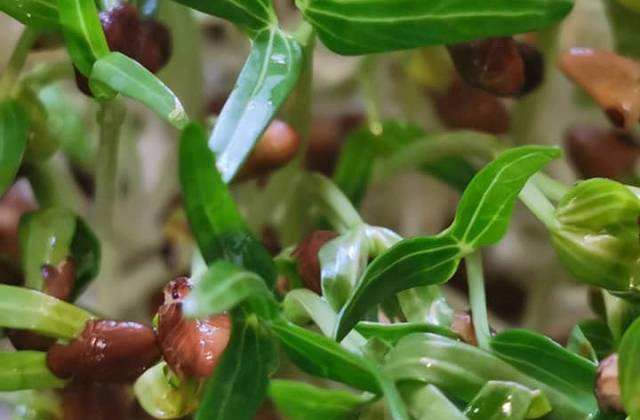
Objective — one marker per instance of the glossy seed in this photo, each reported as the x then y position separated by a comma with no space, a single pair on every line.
59,280
612,81
465,107
306,255
153,45
607,385
533,67
191,347
105,351
278,145
601,152
492,64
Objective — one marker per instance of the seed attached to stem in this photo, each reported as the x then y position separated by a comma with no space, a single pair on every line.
608,386
612,80
191,347
106,351
306,254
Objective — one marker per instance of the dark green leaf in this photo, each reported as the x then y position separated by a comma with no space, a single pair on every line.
428,402
218,227
42,143
128,77
410,263
86,253
591,338
367,26
546,361
267,78
37,14
27,309
320,356
297,400
253,15
13,141
26,370
461,370
624,23
499,400
394,332
223,287
629,370
236,390
83,33
485,208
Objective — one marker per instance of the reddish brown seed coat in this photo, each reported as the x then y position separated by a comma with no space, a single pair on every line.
600,152
306,255
492,64
106,351
463,326
465,107
608,386
59,280
95,401
612,80
278,145
192,348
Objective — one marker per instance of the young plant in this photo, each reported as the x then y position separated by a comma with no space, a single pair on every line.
356,306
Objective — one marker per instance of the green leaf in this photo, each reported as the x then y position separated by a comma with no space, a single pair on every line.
223,287
37,14
239,384
410,263
251,15
129,78
26,370
624,23
546,361
27,309
629,370
13,141
351,27
215,221
591,339
428,402
392,333
395,405
165,396
330,202
323,357
49,236
461,370
83,33
426,304
355,164
499,400
298,400
484,211
267,78
42,143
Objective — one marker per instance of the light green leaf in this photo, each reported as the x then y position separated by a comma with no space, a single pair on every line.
427,402
37,14
26,370
500,400
392,333
164,395
267,78
629,370
13,141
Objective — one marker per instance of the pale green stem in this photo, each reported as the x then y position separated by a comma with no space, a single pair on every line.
9,80
110,119
539,205
371,102
551,187
475,280
44,74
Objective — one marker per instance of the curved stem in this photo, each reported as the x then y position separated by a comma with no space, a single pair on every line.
8,83
551,187
371,103
475,279
539,205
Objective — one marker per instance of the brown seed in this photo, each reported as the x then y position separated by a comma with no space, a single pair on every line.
105,351
277,147
465,107
306,255
533,67
27,340
492,64
608,386
463,326
153,45
121,25
59,280
599,152
192,348
612,81
95,401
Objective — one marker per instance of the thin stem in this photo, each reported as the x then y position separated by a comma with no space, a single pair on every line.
110,119
539,205
475,279
551,187
8,83
371,102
